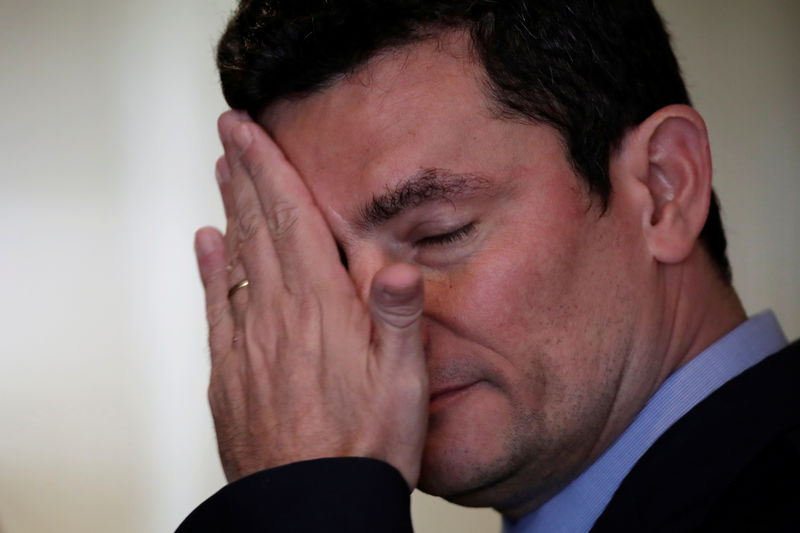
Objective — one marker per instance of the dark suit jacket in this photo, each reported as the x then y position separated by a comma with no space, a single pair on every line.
731,464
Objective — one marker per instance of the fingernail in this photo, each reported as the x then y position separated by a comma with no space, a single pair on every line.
242,137
203,244
241,115
398,295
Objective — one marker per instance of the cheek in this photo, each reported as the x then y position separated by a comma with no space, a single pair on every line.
525,284
556,347
542,308
522,295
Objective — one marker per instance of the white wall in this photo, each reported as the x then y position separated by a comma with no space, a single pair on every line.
741,62
107,146
106,143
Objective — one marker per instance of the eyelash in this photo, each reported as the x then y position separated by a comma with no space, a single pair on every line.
447,238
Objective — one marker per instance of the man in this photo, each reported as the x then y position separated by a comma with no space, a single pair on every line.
472,247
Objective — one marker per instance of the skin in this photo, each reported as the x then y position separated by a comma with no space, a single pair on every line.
545,326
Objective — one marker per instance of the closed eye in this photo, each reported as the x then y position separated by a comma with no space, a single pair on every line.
446,238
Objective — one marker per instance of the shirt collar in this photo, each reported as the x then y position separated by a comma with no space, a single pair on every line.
577,507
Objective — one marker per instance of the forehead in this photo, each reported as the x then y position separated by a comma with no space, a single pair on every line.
423,106
397,96
416,78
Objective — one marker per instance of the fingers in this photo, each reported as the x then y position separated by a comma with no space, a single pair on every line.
248,241
236,272
305,363
223,174
396,301
212,263
302,245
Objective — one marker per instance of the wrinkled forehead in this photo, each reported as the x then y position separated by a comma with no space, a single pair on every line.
420,110
417,78
409,107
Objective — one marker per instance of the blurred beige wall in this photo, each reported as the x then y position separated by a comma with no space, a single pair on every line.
107,145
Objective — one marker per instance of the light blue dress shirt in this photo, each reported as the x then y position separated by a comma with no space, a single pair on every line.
578,506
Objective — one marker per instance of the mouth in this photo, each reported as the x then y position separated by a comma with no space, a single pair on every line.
450,393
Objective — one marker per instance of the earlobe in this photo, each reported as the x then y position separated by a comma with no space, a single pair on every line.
678,180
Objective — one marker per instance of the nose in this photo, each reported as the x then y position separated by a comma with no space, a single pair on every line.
363,263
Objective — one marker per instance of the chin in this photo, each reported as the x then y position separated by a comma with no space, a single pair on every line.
471,476
505,483
482,487
466,448
481,453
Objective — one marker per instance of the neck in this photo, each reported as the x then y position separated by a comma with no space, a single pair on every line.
705,309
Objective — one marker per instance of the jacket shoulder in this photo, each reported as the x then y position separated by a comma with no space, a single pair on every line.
707,472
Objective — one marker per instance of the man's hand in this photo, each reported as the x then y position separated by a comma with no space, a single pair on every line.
301,368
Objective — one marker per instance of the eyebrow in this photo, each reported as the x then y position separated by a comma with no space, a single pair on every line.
426,186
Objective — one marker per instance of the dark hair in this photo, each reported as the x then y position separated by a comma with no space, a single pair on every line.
592,69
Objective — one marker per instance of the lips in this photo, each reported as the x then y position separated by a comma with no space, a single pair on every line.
453,378
444,394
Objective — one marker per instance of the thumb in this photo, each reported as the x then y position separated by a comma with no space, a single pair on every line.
395,301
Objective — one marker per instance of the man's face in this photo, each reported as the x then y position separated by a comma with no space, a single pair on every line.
530,294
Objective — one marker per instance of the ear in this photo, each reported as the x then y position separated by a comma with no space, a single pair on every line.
669,154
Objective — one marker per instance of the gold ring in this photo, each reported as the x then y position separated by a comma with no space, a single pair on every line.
241,285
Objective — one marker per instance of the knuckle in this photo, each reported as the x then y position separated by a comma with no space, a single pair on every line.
237,342
211,393
214,394
253,163
282,219
224,390
308,312
216,312
250,224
